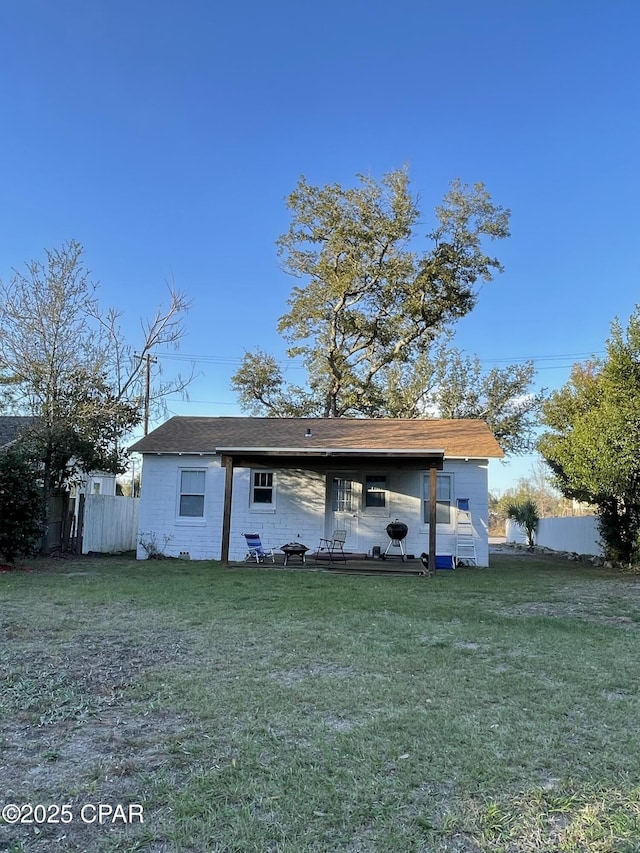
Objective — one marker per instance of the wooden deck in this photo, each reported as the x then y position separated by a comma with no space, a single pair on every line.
359,564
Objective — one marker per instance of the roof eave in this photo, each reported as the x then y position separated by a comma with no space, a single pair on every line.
330,451
473,457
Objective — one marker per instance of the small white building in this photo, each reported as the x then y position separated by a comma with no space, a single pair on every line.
207,481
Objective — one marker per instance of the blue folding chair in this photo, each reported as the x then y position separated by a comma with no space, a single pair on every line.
255,549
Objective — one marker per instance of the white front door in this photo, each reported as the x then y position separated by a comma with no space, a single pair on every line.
343,496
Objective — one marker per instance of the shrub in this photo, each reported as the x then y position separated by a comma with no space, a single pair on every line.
20,505
619,526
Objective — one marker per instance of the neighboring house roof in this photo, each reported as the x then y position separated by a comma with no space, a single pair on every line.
11,426
323,436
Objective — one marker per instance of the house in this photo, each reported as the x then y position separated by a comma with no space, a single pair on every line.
12,427
206,481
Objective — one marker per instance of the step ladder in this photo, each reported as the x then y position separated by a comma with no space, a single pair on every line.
465,540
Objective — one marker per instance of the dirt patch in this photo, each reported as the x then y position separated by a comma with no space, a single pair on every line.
73,734
605,601
338,724
577,610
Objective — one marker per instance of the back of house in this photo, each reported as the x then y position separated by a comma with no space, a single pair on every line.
207,481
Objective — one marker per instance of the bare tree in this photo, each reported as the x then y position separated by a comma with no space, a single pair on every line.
136,372
72,370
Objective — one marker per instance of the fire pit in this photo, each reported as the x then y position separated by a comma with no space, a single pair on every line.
396,531
294,549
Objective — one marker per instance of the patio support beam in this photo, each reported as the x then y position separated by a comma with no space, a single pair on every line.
433,480
227,464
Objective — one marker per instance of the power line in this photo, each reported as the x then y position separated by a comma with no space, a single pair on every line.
296,364
221,359
578,356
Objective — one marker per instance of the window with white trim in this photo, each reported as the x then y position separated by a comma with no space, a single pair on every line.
444,498
262,489
342,494
191,503
375,491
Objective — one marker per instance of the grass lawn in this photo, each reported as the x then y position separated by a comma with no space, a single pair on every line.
272,710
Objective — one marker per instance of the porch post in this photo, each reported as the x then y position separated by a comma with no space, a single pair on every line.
433,493
227,464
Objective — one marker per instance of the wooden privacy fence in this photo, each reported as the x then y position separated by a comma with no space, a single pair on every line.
109,524
57,534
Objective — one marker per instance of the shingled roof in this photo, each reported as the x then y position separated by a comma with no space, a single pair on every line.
11,426
303,436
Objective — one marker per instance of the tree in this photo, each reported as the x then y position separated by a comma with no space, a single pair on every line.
501,397
70,367
135,373
525,515
20,504
261,389
538,486
593,444
371,305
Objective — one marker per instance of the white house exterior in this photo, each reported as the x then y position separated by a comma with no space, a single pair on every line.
206,481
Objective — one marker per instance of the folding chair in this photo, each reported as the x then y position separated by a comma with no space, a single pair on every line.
332,546
255,549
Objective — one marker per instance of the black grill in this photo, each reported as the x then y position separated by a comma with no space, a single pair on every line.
396,531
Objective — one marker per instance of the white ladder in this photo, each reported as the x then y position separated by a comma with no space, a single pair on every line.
465,540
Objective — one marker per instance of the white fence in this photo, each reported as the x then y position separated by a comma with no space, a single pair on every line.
577,534
110,524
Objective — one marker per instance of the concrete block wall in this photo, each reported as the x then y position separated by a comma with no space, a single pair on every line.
469,481
201,538
298,514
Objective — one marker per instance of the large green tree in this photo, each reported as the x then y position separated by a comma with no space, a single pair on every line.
371,319
71,368
593,441
501,396
371,297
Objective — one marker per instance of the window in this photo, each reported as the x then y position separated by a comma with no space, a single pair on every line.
262,487
375,491
444,491
342,494
191,494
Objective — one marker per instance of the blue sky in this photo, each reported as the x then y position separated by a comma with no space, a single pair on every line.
164,137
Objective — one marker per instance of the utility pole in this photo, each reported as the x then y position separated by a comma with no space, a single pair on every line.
147,390
150,359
